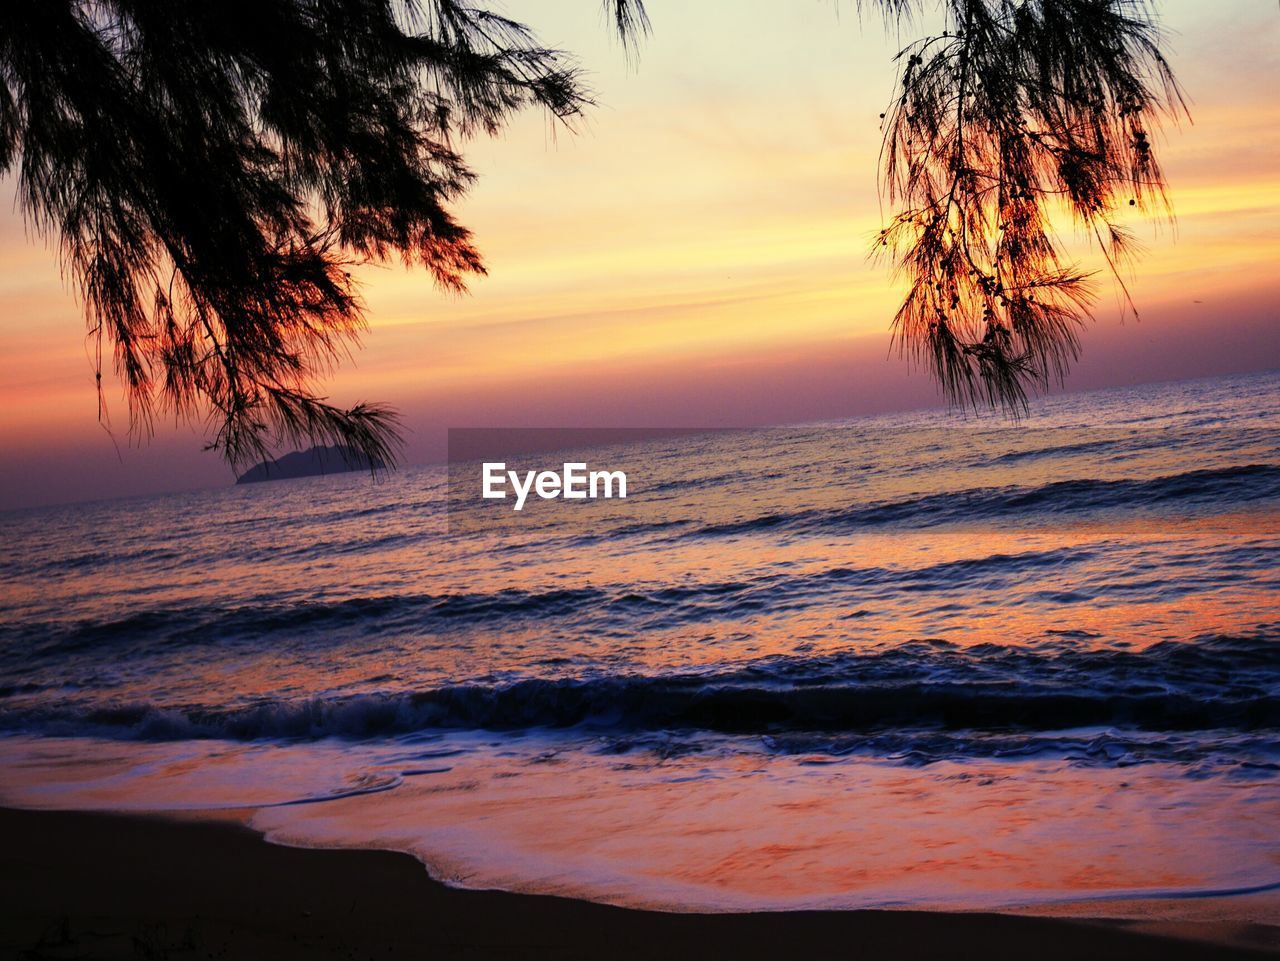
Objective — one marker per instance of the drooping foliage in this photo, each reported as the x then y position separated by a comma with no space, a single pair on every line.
212,172
1017,112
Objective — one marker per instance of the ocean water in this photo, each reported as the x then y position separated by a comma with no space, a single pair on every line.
918,660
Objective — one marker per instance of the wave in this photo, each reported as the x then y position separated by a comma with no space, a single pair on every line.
220,624
1052,451
1219,683
1207,487
640,606
648,606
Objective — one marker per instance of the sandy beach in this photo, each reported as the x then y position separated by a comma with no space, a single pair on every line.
82,885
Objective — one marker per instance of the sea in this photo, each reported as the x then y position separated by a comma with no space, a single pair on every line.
933,659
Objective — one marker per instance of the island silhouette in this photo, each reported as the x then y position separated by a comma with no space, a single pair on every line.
336,459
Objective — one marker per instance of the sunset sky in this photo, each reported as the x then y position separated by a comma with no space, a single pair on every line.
696,254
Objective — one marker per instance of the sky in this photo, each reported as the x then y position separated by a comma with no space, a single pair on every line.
695,253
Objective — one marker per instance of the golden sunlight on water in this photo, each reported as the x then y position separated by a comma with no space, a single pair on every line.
803,667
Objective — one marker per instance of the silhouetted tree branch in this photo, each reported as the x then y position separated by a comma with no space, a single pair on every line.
1016,110
212,172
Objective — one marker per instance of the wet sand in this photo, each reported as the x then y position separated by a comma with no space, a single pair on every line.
80,885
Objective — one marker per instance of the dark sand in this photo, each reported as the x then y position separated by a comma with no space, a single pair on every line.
76,885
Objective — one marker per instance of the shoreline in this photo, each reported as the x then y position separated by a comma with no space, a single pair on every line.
78,884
